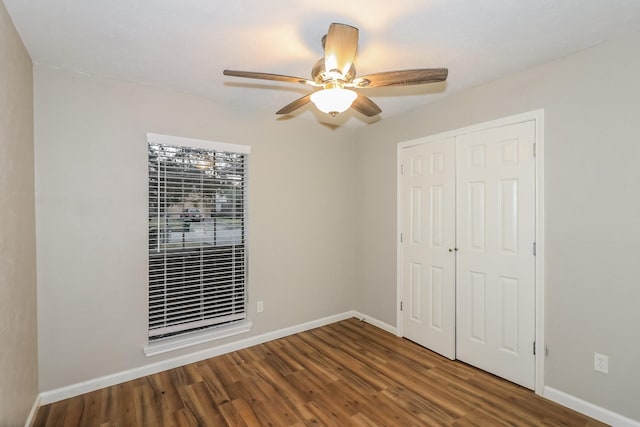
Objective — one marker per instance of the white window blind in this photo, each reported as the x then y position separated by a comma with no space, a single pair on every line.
197,239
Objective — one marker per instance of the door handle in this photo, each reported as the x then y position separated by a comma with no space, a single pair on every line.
454,249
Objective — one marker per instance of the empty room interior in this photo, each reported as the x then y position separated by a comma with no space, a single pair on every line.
407,213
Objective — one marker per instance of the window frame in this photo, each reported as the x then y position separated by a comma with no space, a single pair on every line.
188,338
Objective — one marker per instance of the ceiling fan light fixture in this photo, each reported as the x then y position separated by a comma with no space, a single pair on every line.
335,71
334,100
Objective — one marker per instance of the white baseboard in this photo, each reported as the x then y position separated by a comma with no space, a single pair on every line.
72,390
588,408
33,412
375,322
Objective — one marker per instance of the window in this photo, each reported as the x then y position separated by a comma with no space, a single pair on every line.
197,235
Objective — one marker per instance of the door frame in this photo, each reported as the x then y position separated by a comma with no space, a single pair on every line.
537,116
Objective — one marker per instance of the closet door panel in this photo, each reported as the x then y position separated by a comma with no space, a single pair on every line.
495,261
428,259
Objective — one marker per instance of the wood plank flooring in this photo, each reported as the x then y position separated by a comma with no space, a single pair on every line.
345,374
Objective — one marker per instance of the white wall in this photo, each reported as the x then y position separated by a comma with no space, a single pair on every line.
18,334
91,196
592,185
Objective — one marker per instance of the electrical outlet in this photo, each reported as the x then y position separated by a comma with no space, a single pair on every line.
601,363
260,307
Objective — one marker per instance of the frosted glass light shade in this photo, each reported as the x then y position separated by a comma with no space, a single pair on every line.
333,101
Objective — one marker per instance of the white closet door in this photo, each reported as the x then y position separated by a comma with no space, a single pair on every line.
428,260
495,261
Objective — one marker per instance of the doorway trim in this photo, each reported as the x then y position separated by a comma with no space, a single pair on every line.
537,116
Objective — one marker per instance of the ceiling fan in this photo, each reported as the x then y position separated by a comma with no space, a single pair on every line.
335,76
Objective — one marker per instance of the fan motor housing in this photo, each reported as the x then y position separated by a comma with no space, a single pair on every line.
320,75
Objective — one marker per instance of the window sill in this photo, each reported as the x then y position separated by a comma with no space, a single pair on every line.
176,343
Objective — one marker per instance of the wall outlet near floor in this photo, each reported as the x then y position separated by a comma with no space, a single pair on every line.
260,307
601,363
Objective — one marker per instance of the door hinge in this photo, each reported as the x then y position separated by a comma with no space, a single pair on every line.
400,305
534,149
534,249
401,169
401,238
534,348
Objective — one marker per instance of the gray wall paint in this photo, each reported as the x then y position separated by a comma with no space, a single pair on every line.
91,193
592,178
18,333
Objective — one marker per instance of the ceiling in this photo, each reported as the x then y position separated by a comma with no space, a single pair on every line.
185,44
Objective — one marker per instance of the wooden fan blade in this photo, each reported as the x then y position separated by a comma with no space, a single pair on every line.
340,47
268,76
402,78
365,106
298,103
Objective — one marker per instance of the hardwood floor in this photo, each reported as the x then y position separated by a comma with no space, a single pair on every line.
346,374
